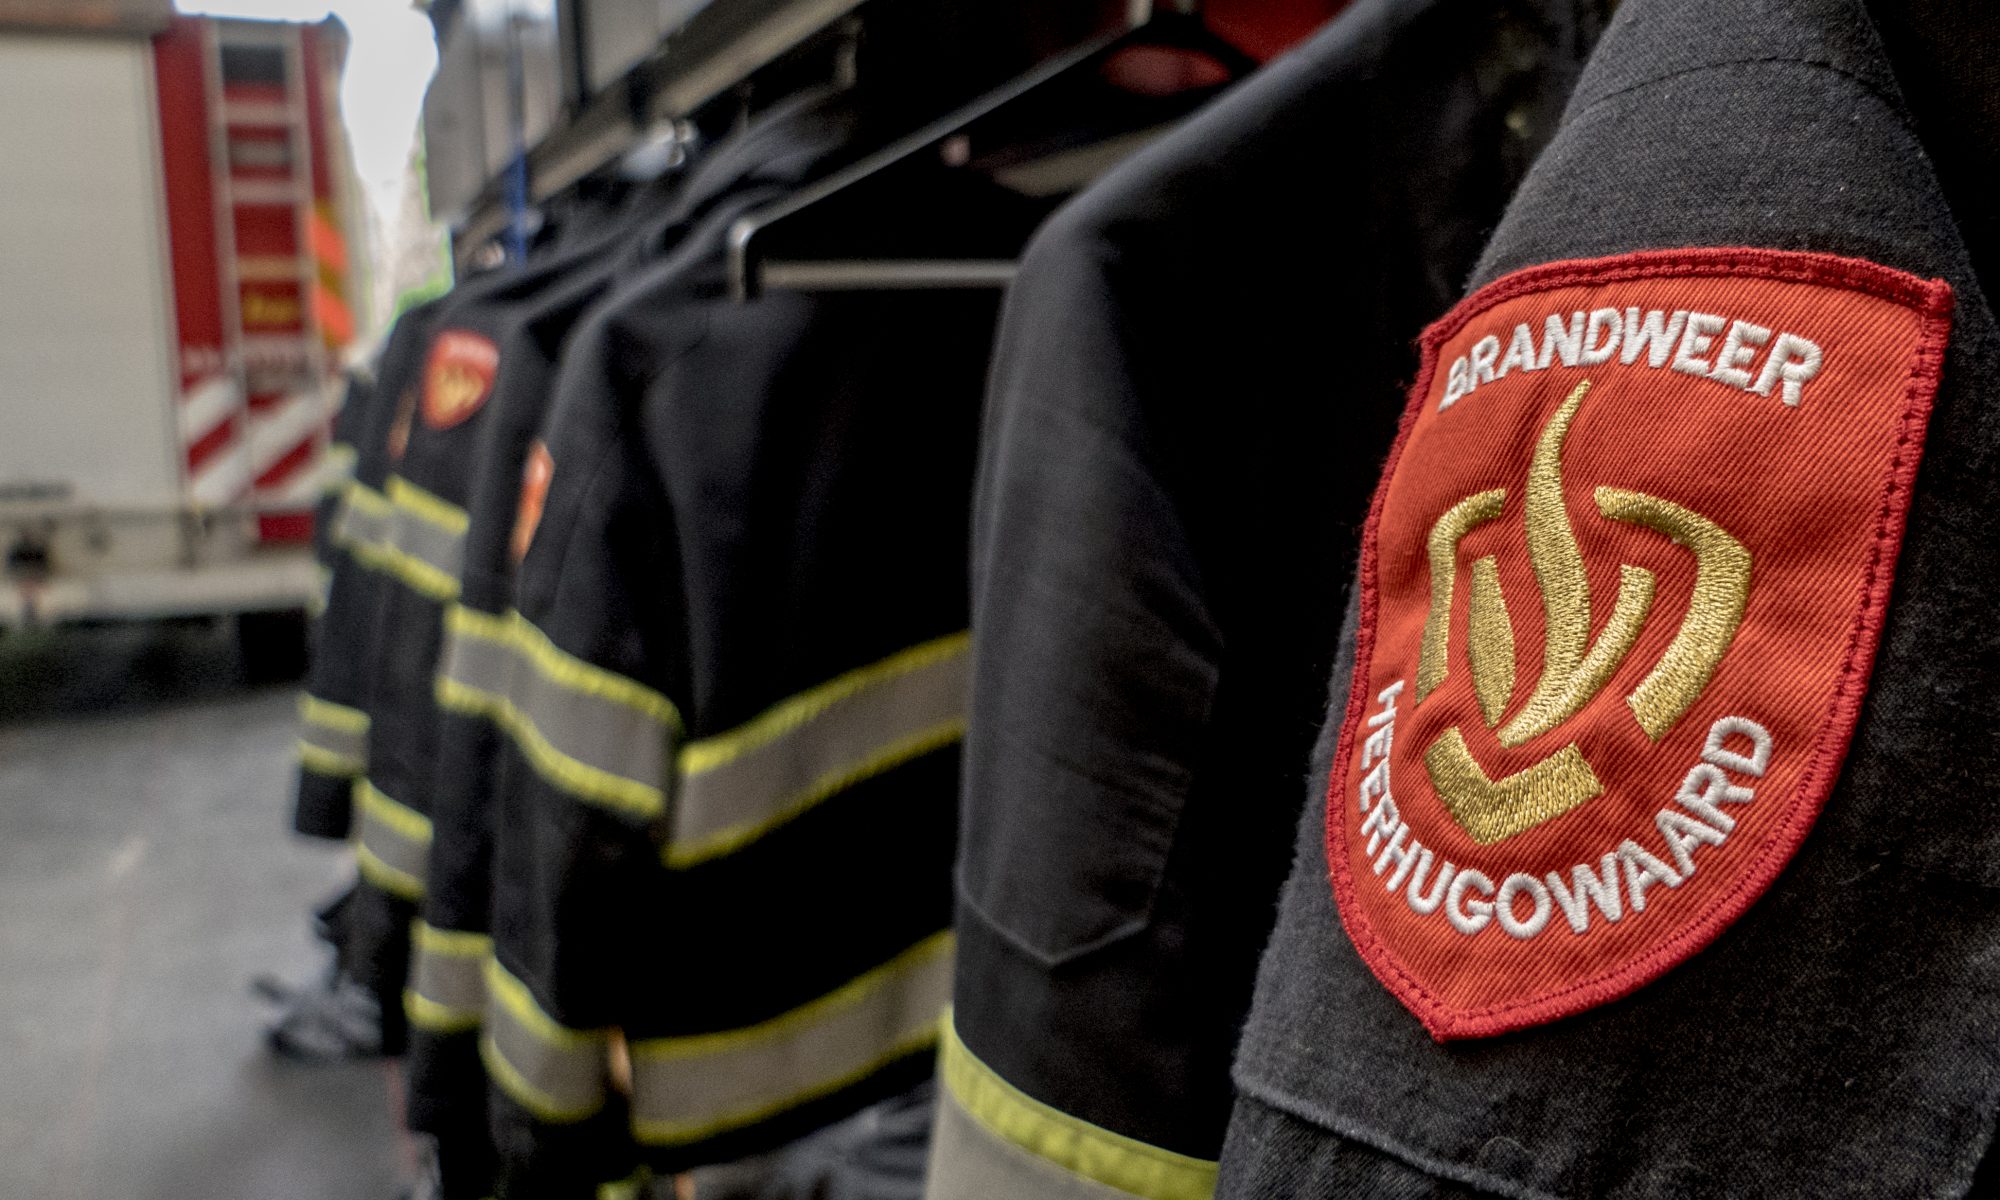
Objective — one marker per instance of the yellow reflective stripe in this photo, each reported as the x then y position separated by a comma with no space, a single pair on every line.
554,1072
321,761
735,787
573,776
339,459
315,711
709,753
546,710
333,738
322,589
1076,1146
421,577
465,699
471,622
451,943
401,818
429,1015
680,853
685,1089
364,499
426,506
361,518
525,1093
391,879
515,1000
477,662
447,992
393,848
560,667
629,1188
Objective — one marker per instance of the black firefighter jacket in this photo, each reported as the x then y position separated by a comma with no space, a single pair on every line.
1761,956
733,692
433,446
1198,373
447,1093
333,733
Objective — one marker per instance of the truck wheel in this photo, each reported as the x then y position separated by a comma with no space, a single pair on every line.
272,645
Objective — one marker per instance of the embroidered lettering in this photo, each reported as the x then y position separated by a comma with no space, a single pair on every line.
1681,340
1616,885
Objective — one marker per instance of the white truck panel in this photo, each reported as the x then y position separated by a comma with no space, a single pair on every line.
87,376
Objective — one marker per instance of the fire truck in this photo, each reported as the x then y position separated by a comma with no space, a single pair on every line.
175,296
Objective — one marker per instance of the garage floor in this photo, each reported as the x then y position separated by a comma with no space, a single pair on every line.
146,875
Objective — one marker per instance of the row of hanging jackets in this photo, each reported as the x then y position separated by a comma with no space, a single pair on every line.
1477,578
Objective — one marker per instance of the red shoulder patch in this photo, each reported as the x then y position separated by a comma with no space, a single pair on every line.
1621,589
536,474
458,377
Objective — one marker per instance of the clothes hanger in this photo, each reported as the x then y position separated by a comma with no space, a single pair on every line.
757,242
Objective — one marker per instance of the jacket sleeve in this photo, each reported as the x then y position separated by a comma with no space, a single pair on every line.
333,721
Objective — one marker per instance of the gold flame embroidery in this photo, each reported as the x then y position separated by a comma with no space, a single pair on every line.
1574,668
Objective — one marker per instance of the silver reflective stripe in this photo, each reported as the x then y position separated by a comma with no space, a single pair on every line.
394,843
736,787
439,549
969,1163
333,738
992,1139
426,539
478,663
592,733
447,979
558,1074
622,750
339,462
363,519
689,1088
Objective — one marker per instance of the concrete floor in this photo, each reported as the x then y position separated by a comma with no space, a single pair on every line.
146,875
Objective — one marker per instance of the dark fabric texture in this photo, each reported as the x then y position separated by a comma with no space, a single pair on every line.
1270,1153
1200,367
1838,1039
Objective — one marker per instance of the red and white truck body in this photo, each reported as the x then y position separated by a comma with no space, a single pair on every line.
175,294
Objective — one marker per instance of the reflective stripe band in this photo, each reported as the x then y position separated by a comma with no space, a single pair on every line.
339,462
685,1089
333,738
736,787
321,761
632,1187
556,1073
429,530
422,542
394,844
337,717
322,589
597,736
426,507
1074,1147
477,665
447,991
413,572
363,519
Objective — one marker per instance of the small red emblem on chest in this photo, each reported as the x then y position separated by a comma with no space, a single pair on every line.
1621,588
458,377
